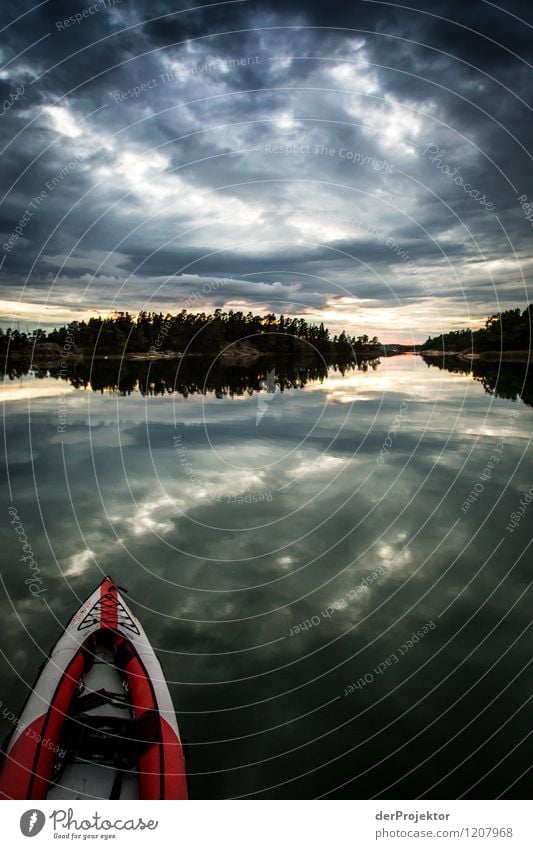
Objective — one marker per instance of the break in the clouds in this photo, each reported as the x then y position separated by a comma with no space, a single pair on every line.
366,164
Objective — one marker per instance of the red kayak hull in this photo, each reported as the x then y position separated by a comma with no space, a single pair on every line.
28,767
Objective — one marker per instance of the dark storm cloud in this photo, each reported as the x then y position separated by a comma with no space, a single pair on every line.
174,174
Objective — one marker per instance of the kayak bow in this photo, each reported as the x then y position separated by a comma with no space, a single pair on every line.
99,722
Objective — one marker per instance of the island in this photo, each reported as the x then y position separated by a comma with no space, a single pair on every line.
232,336
506,337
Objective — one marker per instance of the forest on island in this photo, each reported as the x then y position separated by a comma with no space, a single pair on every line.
509,330
194,333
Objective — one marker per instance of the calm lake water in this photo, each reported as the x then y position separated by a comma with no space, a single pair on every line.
281,547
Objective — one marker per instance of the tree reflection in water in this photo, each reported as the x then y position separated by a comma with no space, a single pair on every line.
191,376
512,381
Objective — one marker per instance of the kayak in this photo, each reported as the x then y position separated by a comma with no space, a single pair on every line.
99,722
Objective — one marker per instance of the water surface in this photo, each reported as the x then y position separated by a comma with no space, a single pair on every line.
281,549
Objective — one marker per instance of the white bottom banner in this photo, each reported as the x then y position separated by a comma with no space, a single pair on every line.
261,824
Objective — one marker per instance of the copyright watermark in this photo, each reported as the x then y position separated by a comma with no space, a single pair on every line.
353,156
81,16
35,581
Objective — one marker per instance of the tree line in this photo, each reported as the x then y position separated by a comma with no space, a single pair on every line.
198,333
509,330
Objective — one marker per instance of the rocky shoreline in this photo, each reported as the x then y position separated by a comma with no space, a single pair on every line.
485,356
51,355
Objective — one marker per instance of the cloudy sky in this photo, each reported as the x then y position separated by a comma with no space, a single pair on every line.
365,163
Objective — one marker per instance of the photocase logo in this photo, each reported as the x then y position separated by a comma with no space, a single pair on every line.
32,822
264,400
